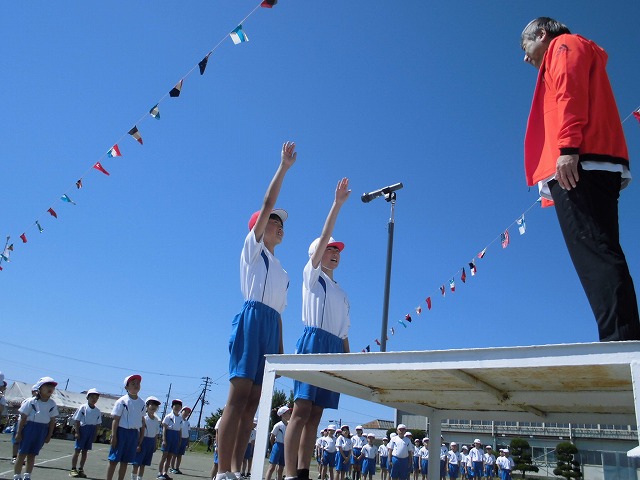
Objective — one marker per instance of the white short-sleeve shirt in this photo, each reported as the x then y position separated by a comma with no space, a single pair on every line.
152,426
369,451
38,411
279,429
130,411
476,454
424,452
328,444
87,415
324,304
383,451
262,278
345,443
358,441
400,447
173,422
454,458
185,428
489,459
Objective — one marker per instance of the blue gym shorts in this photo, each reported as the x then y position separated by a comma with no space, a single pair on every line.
277,454
454,470
399,468
369,466
126,447
182,447
383,461
173,442
316,340
87,435
255,332
329,459
248,453
342,464
33,437
144,456
354,457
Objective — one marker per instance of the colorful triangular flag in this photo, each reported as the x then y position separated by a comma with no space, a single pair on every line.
268,3
65,198
637,114
442,290
98,166
114,152
175,91
407,317
10,247
481,254
79,184
504,239
418,309
52,212
368,349
378,342
463,277
402,323
5,254
238,35
23,237
393,332
522,227
135,133
472,268
155,112
428,300
40,229
203,63
452,285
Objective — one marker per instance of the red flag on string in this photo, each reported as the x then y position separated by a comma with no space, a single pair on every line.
24,238
429,303
268,3
52,212
407,317
504,239
378,342
98,166
463,277
637,114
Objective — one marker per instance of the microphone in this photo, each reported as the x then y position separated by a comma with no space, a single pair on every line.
367,197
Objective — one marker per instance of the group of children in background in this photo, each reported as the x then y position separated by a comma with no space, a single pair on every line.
135,429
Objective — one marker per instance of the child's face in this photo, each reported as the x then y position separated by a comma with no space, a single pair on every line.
152,408
370,440
47,390
176,408
185,413
286,416
92,399
133,387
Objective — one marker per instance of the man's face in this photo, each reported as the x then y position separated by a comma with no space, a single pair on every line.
535,48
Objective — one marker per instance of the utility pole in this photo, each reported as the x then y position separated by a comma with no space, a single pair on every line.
166,403
207,380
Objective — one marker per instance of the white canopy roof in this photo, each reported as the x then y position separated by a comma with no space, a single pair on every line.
18,391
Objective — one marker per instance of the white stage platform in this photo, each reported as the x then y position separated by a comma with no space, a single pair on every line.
569,383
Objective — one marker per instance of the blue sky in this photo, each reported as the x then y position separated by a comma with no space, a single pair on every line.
142,273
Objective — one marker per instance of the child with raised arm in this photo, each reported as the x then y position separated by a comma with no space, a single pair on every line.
325,314
36,425
87,418
257,329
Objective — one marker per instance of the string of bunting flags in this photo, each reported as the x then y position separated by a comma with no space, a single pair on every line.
237,35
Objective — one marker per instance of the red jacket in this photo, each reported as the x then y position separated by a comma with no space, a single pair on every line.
573,110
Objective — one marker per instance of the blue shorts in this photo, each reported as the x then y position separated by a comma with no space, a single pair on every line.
329,459
383,461
143,457
476,470
488,470
87,435
315,340
399,468
369,466
255,332
277,454
505,474
416,463
215,457
33,437
248,453
173,442
454,470
183,445
354,457
424,465
13,434
126,447
342,464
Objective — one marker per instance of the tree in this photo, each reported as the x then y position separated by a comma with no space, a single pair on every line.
521,453
568,467
211,420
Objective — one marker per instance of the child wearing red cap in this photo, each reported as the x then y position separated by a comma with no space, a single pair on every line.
325,314
126,427
257,329
36,425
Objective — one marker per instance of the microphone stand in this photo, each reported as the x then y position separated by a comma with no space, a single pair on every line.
391,198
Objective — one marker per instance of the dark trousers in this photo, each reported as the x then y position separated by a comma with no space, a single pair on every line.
588,216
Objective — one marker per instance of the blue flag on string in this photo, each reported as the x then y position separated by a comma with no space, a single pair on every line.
238,35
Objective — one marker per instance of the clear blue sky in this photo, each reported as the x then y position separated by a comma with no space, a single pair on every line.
143,272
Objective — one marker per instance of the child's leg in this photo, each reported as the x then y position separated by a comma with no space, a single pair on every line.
141,471
83,458
74,459
163,461
272,467
178,462
31,460
122,470
280,470
111,468
17,469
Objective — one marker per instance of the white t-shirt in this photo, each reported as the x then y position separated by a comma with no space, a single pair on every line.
443,452
345,443
383,451
400,447
505,463
279,429
489,459
87,415
328,444
454,458
369,451
358,441
424,452
268,287
152,426
324,304
185,428
476,454
252,435
130,411
38,411
173,422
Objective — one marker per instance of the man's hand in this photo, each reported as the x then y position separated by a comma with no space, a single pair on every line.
567,171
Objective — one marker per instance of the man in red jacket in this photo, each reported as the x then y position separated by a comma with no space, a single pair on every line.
575,151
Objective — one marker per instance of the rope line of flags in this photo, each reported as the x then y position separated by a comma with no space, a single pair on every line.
237,35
